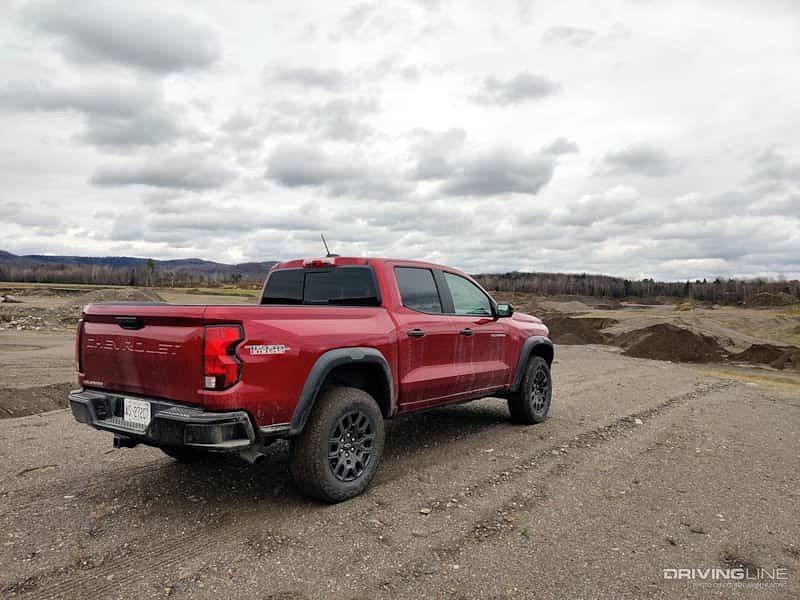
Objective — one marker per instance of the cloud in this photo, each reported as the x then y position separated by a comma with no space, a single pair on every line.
641,159
580,37
523,87
501,171
435,153
115,114
177,172
311,77
107,99
304,165
366,21
592,208
574,36
560,145
440,156
339,118
106,32
774,168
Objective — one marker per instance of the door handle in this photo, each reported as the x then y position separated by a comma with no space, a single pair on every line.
466,331
416,332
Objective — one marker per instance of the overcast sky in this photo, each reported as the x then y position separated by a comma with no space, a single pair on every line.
635,138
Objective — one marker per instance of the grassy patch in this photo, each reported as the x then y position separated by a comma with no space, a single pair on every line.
214,291
790,311
766,379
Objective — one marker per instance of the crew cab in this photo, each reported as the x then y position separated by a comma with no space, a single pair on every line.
335,346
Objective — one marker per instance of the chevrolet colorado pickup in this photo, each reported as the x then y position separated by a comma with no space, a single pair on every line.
336,346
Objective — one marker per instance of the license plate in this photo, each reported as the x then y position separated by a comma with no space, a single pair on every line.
136,411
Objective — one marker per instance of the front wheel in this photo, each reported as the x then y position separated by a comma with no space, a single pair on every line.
337,454
530,403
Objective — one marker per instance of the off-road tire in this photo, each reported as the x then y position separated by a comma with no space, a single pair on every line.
531,402
313,453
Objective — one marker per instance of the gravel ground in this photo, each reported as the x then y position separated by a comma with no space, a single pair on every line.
643,466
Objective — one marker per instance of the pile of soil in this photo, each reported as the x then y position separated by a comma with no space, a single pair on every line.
30,401
668,342
22,317
71,309
790,358
43,292
576,330
762,354
25,317
768,299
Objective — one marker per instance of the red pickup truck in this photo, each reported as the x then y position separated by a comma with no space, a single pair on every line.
336,345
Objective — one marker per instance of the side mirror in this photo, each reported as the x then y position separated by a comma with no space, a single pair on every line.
504,310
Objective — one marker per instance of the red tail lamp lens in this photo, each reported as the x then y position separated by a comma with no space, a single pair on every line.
221,366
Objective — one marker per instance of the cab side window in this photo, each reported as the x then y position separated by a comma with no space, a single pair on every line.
468,299
418,289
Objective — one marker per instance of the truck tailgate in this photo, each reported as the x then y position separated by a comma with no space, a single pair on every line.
148,349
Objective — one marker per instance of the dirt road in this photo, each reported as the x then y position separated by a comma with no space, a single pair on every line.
643,466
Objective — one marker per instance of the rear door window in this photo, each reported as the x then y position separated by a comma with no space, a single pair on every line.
418,289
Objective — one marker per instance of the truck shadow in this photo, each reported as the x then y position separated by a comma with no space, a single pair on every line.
225,483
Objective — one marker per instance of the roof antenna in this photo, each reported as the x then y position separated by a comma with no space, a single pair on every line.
328,253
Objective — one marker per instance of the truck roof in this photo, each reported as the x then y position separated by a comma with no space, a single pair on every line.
360,260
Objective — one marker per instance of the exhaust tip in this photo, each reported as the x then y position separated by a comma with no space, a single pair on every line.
252,456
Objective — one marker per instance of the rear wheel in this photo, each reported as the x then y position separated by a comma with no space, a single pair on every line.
337,454
531,402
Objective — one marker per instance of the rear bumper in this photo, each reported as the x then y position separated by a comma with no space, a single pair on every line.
170,424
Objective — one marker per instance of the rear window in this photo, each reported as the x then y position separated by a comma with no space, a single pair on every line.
418,289
342,286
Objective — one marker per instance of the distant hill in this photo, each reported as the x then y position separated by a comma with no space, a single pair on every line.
41,267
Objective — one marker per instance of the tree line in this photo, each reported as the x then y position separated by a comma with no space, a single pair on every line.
146,275
719,290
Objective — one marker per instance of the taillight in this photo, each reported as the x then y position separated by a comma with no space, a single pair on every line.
220,364
78,344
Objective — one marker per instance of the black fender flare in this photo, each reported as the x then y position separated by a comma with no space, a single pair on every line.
527,347
320,371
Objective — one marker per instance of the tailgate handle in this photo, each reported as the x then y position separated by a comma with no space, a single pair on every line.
129,322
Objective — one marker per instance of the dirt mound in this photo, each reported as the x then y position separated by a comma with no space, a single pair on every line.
571,330
43,292
790,358
71,310
762,353
30,401
668,342
26,317
684,306
112,295
768,299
